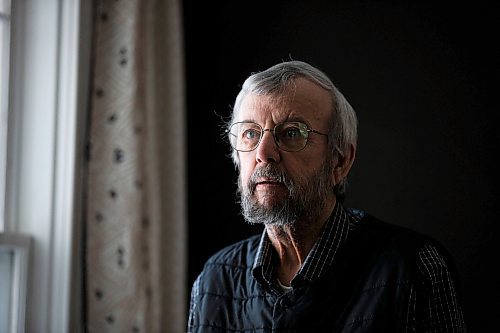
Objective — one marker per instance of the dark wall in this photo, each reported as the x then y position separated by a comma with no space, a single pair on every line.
423,79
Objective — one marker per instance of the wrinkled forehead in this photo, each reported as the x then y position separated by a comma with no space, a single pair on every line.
301,101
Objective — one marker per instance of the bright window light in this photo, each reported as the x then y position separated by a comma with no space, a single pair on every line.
4,93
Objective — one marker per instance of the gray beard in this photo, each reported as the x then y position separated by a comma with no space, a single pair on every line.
306,197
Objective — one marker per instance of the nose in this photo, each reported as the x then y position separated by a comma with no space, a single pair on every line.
267,151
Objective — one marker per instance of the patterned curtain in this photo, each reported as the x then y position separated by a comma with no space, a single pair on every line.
135,239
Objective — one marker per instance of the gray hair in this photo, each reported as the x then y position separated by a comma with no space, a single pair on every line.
278,78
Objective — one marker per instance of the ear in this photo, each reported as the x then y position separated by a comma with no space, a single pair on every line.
343,164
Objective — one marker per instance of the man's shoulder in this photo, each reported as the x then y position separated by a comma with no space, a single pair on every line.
240,254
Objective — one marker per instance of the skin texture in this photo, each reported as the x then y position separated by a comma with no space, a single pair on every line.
311,104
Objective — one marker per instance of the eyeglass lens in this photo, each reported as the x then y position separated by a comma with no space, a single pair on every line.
289,136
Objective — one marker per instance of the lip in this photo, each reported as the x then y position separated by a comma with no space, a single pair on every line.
269,182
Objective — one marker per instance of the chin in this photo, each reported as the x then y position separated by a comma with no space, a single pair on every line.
270,201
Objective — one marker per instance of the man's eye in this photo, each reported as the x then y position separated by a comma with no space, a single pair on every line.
250,134
292,132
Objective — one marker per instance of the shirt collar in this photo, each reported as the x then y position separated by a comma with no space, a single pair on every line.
319,259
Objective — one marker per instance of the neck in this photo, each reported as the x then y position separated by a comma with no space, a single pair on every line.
293,243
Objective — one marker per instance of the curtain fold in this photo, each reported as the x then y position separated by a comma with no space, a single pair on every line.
135,255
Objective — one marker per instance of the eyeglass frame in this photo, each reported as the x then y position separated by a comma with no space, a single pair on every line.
273,132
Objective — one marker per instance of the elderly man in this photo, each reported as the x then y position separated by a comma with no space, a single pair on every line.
317,267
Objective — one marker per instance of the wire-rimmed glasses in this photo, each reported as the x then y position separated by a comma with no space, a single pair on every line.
289,136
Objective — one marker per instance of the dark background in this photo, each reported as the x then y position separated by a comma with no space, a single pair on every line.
423,79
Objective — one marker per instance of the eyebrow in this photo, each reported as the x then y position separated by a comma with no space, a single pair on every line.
287,120
297,119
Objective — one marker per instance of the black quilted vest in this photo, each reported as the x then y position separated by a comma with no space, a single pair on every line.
367,289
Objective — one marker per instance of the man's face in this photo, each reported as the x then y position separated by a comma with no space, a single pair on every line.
279,187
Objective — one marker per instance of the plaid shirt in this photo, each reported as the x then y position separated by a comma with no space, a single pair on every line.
319,258
441,308
438,309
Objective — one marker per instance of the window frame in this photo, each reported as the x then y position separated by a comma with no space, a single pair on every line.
50,65
19,246
5,18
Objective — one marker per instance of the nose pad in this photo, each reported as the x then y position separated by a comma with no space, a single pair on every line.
268,150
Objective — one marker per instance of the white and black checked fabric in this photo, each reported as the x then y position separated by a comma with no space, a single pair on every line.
433,305
319,259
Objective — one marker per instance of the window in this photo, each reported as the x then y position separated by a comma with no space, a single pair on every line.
4,79
45,50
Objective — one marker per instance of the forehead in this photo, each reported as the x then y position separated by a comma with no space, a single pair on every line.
302,100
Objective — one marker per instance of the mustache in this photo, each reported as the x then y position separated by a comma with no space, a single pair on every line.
272,173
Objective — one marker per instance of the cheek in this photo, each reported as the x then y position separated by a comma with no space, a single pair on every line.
308,169
245,175
246,169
